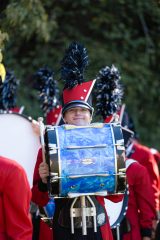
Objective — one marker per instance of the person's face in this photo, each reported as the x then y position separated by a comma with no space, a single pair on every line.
78,116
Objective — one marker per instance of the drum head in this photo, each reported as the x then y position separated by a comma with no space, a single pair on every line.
19,142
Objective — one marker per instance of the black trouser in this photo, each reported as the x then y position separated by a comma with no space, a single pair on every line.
65,234
36,226
157,236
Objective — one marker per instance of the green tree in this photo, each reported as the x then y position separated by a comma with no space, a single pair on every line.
121,32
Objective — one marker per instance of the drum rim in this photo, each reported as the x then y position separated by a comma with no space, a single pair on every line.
29,118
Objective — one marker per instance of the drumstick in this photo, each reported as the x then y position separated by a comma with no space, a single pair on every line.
42,128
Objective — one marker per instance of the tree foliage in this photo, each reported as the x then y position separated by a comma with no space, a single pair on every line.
125,33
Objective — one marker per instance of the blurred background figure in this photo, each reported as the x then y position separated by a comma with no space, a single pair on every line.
141,210
15,193
48,95
148,158
18,140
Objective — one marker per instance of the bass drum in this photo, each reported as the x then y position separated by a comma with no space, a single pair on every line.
85,159
18,141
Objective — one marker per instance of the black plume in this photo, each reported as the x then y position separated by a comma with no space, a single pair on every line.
73,65
48,89
8,92
109,91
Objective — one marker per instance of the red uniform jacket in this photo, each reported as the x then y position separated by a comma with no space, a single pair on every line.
143,155
141,211
15,196
41,198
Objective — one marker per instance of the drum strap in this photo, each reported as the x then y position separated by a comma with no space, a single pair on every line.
64,216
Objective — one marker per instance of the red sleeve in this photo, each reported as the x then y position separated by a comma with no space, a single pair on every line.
144,156
38,197
138,180
16,199
153,171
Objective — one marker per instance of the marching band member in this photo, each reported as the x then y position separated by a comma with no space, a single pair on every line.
51,107
15,196
42,229
141,209
77,110
143,155
15,193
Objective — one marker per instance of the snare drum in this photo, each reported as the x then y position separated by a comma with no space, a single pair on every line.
18,141
85,160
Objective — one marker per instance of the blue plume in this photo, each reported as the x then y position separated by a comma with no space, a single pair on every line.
109,91
48,89
73,65
8,91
